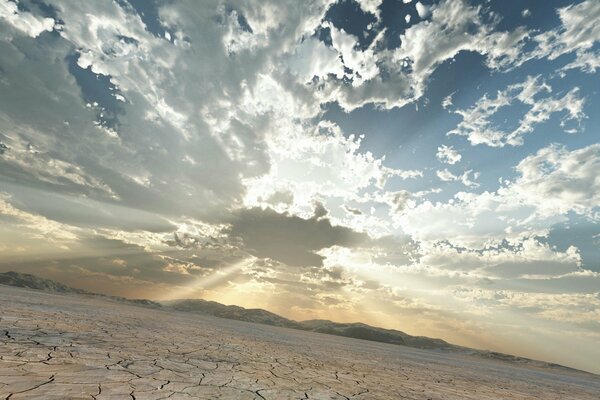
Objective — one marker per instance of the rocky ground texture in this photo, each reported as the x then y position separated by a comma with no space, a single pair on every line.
75,346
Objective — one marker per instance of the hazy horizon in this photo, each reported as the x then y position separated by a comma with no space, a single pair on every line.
426,166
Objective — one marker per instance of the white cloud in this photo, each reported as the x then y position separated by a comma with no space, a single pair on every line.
587,61
557,181
478,127
571,308
394,78
448,155
448,176
23,21
551,183
370,6
447,101
422,10
323,163
578,32
362,63
526,258
313,58
454,27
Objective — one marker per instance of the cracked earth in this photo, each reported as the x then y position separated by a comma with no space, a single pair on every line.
60,347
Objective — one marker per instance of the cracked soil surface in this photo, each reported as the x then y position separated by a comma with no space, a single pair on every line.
67,346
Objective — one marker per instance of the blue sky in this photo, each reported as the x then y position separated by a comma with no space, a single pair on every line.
427,166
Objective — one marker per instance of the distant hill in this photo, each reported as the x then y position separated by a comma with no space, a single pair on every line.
34,282
363,331
256,315
29,281
355,330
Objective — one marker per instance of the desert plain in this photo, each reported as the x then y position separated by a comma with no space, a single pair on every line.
56,346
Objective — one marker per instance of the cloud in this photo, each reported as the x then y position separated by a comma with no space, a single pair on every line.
525,258
557,181
289,239
448,155
23,161
581,309
39,225
448,176
422,10
313,58
550,183
399,201
577,34
454,27
447,101
370,6
23,21
587,61
479,127
395,77
321,162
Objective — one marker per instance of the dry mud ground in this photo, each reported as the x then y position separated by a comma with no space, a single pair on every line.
65,346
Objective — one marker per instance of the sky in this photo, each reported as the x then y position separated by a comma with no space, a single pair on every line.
426,166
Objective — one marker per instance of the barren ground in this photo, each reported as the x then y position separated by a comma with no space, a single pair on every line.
58,347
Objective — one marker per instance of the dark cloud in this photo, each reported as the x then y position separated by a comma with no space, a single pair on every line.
320,210
399,200
290,239
353,210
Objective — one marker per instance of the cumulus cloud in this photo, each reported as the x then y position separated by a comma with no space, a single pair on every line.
392,78
448,155
479,126
447,101
526,258
25,22
551,183
422,10
370,6
323,162
454,27
557,181
314,58
399,201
